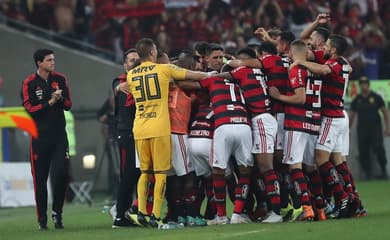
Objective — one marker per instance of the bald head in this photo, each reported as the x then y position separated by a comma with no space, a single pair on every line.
298,50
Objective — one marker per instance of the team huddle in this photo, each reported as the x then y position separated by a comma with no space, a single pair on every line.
266,129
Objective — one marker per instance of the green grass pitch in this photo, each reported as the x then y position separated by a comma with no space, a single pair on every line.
83,222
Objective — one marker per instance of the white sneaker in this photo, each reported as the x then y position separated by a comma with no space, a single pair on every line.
112,212
273,218
218,220
239,218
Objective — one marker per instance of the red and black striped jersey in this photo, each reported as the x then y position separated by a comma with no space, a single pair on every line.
276,72
202,125
254,88
227,101
36,93
334,87
304,117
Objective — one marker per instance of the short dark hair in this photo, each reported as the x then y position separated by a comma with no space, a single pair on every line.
127,52
323,32
144,46
213,47
248,51
268,47
364,79
287,36
201,47
40,54
339,42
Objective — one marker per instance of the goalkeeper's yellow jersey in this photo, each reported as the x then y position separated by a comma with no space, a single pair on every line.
149,84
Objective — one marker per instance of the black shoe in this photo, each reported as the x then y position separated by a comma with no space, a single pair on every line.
57,219
344,209
43,227
42,224
155,222
123,222
142,219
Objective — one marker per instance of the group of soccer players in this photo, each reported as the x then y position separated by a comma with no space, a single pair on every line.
267,128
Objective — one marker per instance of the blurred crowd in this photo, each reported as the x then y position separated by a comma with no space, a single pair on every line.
117,25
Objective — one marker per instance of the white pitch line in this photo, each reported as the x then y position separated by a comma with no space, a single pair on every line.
241,233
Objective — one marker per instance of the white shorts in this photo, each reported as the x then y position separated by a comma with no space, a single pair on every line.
331,134
181,164
232,140
279,141
199,153
296,143
309,155
345,136
264,128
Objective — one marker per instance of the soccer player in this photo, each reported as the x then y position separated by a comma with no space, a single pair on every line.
124,114
335,73
264,128
149,84
282,43
232,137
315,35
302,123
200,138
276,72
45,96
200,49
181,181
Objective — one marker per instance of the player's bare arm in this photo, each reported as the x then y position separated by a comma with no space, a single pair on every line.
188,85
322,18
225,75
316,68
262,34
122,87
299,96
251,62
196,75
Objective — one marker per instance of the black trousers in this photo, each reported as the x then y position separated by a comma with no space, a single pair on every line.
129,174
371,139
49,153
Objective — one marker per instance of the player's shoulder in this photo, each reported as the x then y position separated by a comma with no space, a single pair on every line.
58,75
29,78
240,70
294,69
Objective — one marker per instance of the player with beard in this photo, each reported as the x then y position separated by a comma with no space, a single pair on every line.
335,73
316,36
